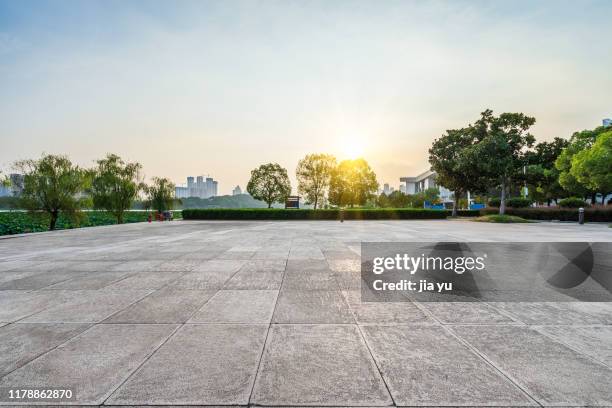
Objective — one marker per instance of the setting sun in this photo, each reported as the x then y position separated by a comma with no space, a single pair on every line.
352,147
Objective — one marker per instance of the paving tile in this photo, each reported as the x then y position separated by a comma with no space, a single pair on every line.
229,266
87,306
178,265
309,281
93,266
136,266
313,306
384,312
14,275
348,280
202,255
145,280
15,305
307,266
318,365
198,365
95,363
549,371
38,281
202,280
427,366
166,305
271,254
238,306
17,264
345,265
558,313
264,265
253,279
20,343
466,313
91,281
235,255
593,341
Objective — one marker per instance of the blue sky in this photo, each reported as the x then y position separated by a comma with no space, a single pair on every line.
218,88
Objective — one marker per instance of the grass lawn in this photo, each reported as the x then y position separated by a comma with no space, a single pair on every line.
502,219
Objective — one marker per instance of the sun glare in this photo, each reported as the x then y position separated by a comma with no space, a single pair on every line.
353,147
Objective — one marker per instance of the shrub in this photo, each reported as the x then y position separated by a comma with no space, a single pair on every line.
518,202
503,219
514,202
594,214
495,202
19,222
320,214
572,202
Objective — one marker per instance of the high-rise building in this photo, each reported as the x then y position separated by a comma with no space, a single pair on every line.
386,189
237,190
607,122
198,187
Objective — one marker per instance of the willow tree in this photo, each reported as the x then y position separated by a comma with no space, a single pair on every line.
52,184
115,185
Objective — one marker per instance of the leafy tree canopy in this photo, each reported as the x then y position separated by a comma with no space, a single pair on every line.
592,167
269,183
115,185
454,171
352,182
313,174
501,148
160,194
578,142
53,184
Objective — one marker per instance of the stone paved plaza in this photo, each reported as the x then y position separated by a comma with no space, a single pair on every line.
269,313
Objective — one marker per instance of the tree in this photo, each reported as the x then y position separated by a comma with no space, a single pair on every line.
352,182
115,185
454,171
592,167
160,194
269,183
313,173
579,141
541,175
500,151
52,184
4,180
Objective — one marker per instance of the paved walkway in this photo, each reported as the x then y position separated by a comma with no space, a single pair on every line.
269,313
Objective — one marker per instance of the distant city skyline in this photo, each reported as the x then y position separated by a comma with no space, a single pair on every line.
199,186
226,86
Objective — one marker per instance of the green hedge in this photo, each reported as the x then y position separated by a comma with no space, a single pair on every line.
594,214
573,202
303,214
514,202
19,222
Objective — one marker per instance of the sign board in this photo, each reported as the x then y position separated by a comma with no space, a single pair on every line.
292,202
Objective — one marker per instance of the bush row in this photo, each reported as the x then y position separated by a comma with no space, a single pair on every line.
593,214
304,214
19,222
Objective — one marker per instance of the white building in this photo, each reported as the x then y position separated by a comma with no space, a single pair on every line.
423,181
237,190
197,187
